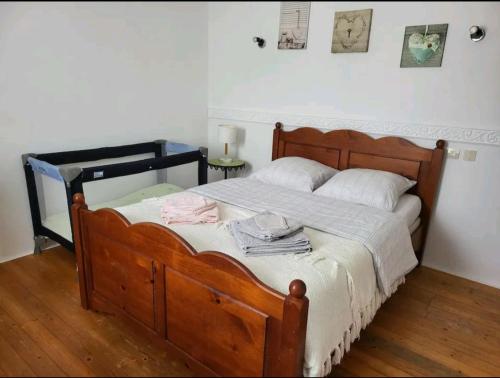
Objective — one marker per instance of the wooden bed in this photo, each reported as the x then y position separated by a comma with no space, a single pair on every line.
206,307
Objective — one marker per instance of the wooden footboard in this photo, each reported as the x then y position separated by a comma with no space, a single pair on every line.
205,307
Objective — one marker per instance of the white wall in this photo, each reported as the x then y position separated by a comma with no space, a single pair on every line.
253,88
86,75
76,76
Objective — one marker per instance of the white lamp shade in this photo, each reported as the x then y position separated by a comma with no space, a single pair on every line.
227,134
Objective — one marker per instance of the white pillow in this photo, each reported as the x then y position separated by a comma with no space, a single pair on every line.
295,173
369,187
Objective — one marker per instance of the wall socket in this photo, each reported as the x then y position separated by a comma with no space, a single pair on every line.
453,153
470,155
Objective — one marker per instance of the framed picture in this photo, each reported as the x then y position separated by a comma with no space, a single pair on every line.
294,25
423,45
351,31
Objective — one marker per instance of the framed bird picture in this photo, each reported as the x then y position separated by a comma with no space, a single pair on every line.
351,31
294,25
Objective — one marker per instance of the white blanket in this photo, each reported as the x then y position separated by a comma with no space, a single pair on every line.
339,274
385,235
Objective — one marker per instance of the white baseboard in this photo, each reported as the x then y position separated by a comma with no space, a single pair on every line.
4,259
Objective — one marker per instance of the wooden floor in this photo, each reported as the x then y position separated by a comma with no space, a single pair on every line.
435,325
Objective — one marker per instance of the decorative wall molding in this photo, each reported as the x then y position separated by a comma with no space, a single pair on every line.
416,130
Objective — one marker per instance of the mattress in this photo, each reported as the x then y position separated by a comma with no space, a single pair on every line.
409,207
60,223
339,273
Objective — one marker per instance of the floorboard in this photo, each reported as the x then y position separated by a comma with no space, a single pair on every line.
13,365
435,325
38,361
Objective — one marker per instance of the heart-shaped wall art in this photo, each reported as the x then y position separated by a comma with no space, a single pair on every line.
350,29
423,47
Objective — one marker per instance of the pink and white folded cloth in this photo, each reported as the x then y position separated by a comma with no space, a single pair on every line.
189,208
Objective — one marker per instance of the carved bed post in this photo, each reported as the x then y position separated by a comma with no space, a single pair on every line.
276,137
430,175
293,342
79,204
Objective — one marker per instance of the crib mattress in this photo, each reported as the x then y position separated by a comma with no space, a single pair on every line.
60,223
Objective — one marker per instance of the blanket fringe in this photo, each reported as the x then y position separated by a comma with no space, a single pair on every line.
361,320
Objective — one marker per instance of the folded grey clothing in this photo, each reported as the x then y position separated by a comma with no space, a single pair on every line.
268,226
251,246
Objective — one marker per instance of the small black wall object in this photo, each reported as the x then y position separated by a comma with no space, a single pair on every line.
476,33
260,41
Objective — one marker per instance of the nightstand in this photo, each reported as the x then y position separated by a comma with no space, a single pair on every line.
234,165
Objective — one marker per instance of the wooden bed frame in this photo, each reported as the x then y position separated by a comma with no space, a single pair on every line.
206,307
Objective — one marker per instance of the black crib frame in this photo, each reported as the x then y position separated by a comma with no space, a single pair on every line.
76,176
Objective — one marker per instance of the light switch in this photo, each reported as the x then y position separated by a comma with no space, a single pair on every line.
470,155
453,154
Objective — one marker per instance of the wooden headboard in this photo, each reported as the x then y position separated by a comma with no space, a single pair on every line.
342,149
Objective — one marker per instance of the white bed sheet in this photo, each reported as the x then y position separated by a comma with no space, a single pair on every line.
339,274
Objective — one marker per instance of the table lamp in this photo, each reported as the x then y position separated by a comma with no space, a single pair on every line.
227,135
